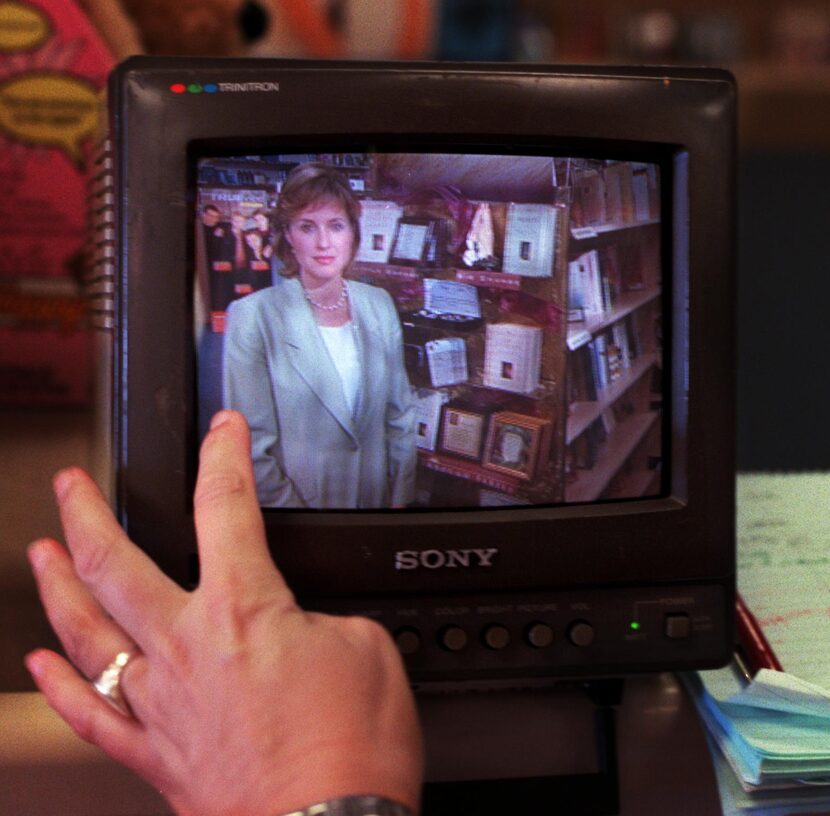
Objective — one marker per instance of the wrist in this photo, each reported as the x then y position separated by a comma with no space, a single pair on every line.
335,785
355,806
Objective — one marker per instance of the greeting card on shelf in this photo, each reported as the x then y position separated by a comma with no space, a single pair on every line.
530,240
447,305
418,242
513,357
428,404
378,222
463,430
447,361
442,297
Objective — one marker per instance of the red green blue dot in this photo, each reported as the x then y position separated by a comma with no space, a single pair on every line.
178,88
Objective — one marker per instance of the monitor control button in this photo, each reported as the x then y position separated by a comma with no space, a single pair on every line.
581,633
678,626
496,636
453,638
408,640
539,635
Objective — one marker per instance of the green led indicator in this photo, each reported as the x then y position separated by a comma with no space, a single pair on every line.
634,625
194,88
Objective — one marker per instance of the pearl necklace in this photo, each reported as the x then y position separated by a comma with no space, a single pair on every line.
344,296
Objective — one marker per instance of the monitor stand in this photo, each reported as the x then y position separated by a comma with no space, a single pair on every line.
579,794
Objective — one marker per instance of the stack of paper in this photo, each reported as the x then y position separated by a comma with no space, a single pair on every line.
772,731
775,735
772,735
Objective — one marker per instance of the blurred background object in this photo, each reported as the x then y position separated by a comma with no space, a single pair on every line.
801,35
713,37
650,36
53,67
475,29
533,39
324,29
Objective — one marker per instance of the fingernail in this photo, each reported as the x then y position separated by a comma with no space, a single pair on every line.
37,556
62,481
34,663
219,418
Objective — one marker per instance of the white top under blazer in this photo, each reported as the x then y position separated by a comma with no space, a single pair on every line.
342,348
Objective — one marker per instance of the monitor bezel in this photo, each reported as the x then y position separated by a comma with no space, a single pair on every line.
688,115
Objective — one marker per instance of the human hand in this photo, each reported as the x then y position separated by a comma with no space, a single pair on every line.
242,702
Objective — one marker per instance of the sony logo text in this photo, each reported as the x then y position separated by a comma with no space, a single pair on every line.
436,559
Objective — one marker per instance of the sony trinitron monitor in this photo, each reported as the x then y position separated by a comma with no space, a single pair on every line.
517,454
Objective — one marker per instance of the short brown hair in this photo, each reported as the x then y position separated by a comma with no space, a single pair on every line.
309,184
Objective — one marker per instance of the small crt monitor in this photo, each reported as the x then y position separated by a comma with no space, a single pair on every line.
480,320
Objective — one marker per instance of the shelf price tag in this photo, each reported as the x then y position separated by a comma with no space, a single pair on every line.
577,339
582,233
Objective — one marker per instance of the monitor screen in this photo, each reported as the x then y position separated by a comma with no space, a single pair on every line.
493,337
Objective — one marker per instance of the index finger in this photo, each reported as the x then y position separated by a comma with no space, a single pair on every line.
229,528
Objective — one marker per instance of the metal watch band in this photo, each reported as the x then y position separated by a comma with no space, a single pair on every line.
355,806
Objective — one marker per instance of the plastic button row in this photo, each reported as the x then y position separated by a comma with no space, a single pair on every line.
454,638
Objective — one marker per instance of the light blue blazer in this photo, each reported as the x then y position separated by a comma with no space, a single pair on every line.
308,448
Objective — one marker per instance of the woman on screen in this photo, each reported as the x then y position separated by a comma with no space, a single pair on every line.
316,363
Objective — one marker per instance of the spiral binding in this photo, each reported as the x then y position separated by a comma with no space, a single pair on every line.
99,277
